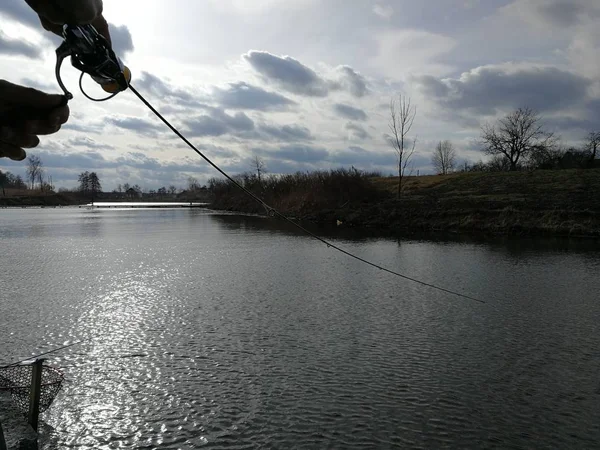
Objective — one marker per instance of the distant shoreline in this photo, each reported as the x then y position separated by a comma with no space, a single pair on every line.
540,203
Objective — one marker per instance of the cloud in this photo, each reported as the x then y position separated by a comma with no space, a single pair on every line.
139,125
584,48
289,73
122,42
357,131
38,84
166,92
288,133
552,15
19,11
350,112
359,156
245,96
383,11
293,76
18,47
352,81
295,153
401,52
82,141
487,90
219,123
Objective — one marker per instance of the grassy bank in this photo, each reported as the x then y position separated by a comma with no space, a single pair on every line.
565,202
33,198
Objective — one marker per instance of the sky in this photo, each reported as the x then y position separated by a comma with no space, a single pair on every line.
306,84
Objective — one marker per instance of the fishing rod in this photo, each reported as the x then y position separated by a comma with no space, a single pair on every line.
91,53
16,363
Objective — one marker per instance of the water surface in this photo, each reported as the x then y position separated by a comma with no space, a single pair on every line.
224,331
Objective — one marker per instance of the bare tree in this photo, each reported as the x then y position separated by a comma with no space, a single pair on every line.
193,184
258,164
517,136
402,117
40,178
444,157
34,168
592,144
172,189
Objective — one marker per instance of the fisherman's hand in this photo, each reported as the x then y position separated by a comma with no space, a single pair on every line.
54,15
26,113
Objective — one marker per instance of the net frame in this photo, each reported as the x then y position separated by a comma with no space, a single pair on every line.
17,380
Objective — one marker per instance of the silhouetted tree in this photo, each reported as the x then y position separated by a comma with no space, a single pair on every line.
258,164
193,184
34,168
592,145
95,185
516,136
402,117
84,182
444,157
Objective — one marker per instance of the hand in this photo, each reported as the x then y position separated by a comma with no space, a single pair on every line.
26,113
54,15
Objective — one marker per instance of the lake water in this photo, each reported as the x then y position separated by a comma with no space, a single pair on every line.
224,331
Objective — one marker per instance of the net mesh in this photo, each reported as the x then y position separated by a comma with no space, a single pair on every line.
17,380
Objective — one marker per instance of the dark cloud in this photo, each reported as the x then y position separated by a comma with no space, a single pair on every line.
350,112
245,96
18,47
166,92
19,11
86,142
361,157
289,73
352,81
295,153
487,90
562,14
122,42
357,131
219,123
578,125
289,133
141,126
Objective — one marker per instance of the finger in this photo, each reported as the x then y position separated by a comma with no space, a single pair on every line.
18,138
14,95
11,151
50,26
58,116
39,127
101,26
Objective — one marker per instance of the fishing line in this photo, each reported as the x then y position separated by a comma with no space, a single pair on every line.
48,352
273,211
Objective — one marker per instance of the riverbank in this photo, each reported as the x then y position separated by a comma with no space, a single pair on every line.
559,203
49,200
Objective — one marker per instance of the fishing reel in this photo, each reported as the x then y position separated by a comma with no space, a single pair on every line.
91,53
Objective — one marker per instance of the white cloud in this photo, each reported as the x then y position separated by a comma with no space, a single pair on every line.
403,52
383,11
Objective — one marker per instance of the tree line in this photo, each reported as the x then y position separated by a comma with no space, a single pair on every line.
518,141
